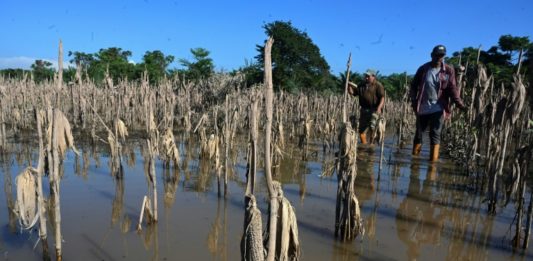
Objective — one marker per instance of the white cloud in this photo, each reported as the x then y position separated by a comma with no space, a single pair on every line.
24,62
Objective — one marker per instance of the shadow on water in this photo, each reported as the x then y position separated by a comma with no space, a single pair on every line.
416,210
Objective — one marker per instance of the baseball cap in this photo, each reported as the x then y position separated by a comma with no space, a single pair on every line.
370,72
439,50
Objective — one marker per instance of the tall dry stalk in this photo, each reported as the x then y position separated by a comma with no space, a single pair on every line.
252,238
59,139
153,178
283,245
268,171
381,139
348,221
39,115
60,66
348,65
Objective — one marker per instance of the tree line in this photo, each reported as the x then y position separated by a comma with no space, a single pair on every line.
297,65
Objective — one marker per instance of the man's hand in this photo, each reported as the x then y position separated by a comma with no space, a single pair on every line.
462,107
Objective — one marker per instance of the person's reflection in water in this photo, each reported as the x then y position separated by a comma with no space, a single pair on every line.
364,189
418,220
364,182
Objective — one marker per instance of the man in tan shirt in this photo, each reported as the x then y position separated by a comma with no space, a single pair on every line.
371,99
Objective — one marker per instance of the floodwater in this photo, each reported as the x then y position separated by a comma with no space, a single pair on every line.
414,210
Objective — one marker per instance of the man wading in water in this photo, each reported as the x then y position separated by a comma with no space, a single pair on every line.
432,89
371,99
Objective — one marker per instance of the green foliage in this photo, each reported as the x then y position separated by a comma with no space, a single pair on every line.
340,81
201,67
297,64
296,61
253,73
69,75
81,59
395,84
114,60
14,73
155,63
509,43
42,71
501,60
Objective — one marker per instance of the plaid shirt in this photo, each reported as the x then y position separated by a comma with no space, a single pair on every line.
447,92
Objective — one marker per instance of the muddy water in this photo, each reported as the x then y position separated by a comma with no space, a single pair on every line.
415,210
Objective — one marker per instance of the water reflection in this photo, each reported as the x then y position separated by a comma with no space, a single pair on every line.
150,236
364,182
10,202
118,201
217,239
344,252
418,220
170,185
415,211
129,151
86,162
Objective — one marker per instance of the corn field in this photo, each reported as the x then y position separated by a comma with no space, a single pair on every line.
188,133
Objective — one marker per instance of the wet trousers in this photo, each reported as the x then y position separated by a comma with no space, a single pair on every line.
433,121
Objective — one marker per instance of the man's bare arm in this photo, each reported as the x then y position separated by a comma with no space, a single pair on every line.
352,88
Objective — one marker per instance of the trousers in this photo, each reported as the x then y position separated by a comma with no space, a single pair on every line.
434,122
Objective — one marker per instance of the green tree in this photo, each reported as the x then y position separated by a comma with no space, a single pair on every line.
498,63
296,61
201,68
394,84
340,81
501,60
14,73
69,75
513,44
82,59
42,71
155,63
114,59
253,73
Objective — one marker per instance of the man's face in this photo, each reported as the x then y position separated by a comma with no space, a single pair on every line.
437,58
369,78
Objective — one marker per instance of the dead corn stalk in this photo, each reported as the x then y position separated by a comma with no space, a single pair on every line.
348,221
252,239
285,245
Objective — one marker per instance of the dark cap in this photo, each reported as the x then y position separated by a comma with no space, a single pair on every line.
439,50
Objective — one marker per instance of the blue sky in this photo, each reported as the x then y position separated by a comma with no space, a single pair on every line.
389,36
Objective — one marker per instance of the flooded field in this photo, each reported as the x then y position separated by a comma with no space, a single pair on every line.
411,210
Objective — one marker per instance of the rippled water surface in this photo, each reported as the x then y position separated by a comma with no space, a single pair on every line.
414,210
